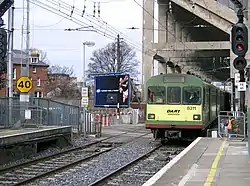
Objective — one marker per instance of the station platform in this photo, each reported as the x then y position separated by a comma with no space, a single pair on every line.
20,143
11,136
207,162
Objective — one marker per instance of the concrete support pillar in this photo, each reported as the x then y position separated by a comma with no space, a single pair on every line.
147,40
178,32
185,35
171,22
162,25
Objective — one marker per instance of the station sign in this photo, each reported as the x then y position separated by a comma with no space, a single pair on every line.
242,86
85,91
84,101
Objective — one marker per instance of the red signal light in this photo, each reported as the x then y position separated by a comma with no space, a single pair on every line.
239,47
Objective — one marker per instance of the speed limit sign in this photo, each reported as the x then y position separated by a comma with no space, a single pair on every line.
24,84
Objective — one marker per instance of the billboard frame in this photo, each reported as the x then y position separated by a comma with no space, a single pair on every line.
112,106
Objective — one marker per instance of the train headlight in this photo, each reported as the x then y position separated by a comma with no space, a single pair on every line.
196,117
151,116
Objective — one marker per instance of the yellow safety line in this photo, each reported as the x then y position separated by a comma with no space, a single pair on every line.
213,168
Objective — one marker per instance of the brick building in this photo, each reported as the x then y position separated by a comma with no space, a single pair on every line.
38,72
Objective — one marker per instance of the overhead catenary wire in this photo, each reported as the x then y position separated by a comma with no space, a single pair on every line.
105,33
66,16
93,20
77,21
51,9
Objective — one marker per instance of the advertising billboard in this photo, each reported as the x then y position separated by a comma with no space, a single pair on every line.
112,90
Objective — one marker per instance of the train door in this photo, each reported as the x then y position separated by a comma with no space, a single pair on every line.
216,101
209,104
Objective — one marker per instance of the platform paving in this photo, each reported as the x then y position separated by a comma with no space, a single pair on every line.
211,162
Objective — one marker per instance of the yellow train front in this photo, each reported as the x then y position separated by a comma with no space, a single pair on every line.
182,105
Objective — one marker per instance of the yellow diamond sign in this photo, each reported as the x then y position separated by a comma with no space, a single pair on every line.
24,84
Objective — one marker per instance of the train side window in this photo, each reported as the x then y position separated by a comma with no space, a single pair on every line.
156,95
204,97
192,95
174,95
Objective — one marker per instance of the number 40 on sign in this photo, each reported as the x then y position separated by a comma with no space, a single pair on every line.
24,84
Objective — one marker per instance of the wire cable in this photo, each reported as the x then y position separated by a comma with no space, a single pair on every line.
93,20
77,21
46,26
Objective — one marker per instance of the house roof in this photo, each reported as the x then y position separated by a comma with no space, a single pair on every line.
18,55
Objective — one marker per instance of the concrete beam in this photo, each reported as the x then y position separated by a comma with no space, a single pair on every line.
208,45
213,12
170,55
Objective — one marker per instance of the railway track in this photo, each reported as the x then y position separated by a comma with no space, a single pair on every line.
140,169
34,169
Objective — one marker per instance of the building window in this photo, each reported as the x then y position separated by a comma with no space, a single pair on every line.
34,69
38,83
14,73
38,94
34,59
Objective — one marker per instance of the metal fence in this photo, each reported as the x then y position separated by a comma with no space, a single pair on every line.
42,112
238,129
88,125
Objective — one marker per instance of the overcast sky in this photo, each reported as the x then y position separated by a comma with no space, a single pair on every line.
64,47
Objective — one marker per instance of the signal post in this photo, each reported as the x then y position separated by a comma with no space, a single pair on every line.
240,47
239,37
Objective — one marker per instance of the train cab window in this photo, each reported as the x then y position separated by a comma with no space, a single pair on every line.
174,95
156,95
192,95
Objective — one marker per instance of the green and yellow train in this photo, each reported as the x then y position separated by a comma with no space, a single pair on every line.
182,105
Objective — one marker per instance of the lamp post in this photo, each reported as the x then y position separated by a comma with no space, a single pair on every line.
88,44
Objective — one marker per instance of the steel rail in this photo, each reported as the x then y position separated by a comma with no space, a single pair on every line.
73,162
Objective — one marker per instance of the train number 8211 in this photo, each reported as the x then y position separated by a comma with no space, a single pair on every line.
191,108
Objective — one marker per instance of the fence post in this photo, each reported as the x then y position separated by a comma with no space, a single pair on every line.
99,125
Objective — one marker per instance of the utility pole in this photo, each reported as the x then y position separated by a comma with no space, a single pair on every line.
28,36
10,62
10,50
118,60
118,54
24,96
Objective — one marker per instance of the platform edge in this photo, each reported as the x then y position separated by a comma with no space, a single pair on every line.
162,171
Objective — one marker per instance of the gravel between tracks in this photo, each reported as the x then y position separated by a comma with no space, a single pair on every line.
144,169
89,172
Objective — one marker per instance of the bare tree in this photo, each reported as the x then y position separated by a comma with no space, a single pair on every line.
61,83
58,69
104,60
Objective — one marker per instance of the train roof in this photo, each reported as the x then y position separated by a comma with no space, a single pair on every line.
174,78
163,79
